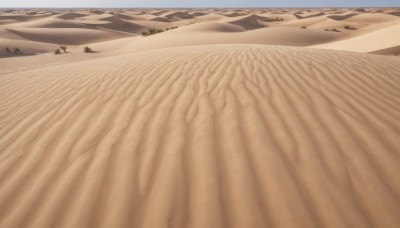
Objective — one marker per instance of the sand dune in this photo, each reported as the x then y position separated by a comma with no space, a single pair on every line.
388,51
160,13
394,12
117,18
340,17
162,19
119,23
207,136
96,16
198,14
28,47
369,42
253,22
65,35
210,27
212,17
202,126
234,14
23,17
308,15
70,16
50,23
179,15
325,28
222,34
372,18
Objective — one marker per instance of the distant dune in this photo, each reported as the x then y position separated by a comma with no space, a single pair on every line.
321,29
369,42
213,118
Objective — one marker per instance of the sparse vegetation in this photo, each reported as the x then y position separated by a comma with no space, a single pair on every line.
87,49
349,27
17,51
61,48
303,27
8,50
332,30
153,31
64,48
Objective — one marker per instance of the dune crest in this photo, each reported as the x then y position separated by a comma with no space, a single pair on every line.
253,22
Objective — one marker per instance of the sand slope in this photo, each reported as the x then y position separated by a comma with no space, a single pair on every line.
206,136
221,33
369,42
293,27
65,35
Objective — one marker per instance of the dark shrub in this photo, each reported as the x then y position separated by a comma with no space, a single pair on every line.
152,31
64,48
350,27
87,49
17,51
8,50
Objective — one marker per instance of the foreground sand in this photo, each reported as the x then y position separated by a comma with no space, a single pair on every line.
202,136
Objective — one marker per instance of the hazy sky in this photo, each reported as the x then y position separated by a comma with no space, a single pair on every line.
195,3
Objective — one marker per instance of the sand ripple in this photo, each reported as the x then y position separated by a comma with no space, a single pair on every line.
206,136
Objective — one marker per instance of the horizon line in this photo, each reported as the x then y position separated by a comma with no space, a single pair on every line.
200,7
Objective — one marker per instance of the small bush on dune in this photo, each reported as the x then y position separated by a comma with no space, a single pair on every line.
61,48
350,27
87,49
64,48
332,30
153,31
303,27
8,50
17,51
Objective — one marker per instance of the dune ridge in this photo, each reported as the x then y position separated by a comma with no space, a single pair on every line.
323,27
203,136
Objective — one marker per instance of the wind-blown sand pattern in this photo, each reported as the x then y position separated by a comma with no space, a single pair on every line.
236,118
203,136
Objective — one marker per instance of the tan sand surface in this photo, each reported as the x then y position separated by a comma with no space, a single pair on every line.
369,42
375,29
235,119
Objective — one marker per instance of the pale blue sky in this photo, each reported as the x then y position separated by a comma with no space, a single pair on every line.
194,3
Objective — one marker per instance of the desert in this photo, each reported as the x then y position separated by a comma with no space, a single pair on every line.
200,118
